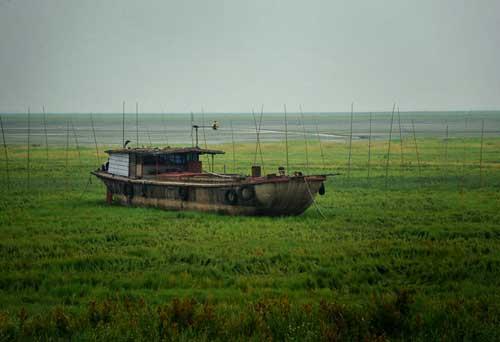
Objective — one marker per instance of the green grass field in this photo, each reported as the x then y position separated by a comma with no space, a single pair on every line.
415,255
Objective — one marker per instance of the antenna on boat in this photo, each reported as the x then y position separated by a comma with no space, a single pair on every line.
286,139
214,126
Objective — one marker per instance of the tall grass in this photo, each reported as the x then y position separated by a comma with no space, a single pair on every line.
420,259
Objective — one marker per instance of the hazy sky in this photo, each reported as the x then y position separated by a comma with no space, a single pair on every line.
81,56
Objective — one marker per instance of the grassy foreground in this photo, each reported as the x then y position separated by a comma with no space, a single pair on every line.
413,256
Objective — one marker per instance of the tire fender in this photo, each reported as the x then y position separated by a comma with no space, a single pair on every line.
231,197
246,192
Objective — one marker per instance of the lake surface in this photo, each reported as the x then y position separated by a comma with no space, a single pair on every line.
162,129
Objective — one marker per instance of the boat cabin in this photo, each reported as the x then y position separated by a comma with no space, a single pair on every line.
137,163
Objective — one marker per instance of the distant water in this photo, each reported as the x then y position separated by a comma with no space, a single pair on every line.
160,129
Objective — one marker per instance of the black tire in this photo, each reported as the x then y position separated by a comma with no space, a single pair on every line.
322,190
231,197
183,193
246,192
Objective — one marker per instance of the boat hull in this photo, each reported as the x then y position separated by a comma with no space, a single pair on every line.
279,196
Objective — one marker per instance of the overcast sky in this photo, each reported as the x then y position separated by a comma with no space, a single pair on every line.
82,56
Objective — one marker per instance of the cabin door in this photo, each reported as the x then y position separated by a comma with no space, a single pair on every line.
138,168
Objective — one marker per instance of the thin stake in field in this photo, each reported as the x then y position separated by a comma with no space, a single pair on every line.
66,183
416,146
205,137
6,154
95,141
286,140
149,136
137,123
260,143
305,138
462,181
192,128
320,146
232,140
350,144
123,123
481,155
28,165
46,142
46,134
369,145
77,145
164,124
401,143
389,147
446,153
258,146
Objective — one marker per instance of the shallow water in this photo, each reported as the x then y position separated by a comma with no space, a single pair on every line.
163,129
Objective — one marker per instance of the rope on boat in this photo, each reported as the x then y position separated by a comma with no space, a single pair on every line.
221,175
313,200
86,187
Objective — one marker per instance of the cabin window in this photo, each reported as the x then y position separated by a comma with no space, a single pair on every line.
192,157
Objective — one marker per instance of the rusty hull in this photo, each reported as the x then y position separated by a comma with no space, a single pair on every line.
270,196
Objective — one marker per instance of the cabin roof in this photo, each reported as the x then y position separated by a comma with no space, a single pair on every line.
164,150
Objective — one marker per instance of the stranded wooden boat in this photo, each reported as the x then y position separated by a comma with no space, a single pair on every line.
173,178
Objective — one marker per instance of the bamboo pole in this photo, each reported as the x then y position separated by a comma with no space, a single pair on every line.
389,147
205,137
149,136
416,147
258,138
286,140
192,135
320,145
232,140
163,121
401,144
369,145
67,158
462,182
137,123
462,185
123,123
46,134
95,141
446,153
6,154
46,142
481,155
305,138
77,145
350,144
28,160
